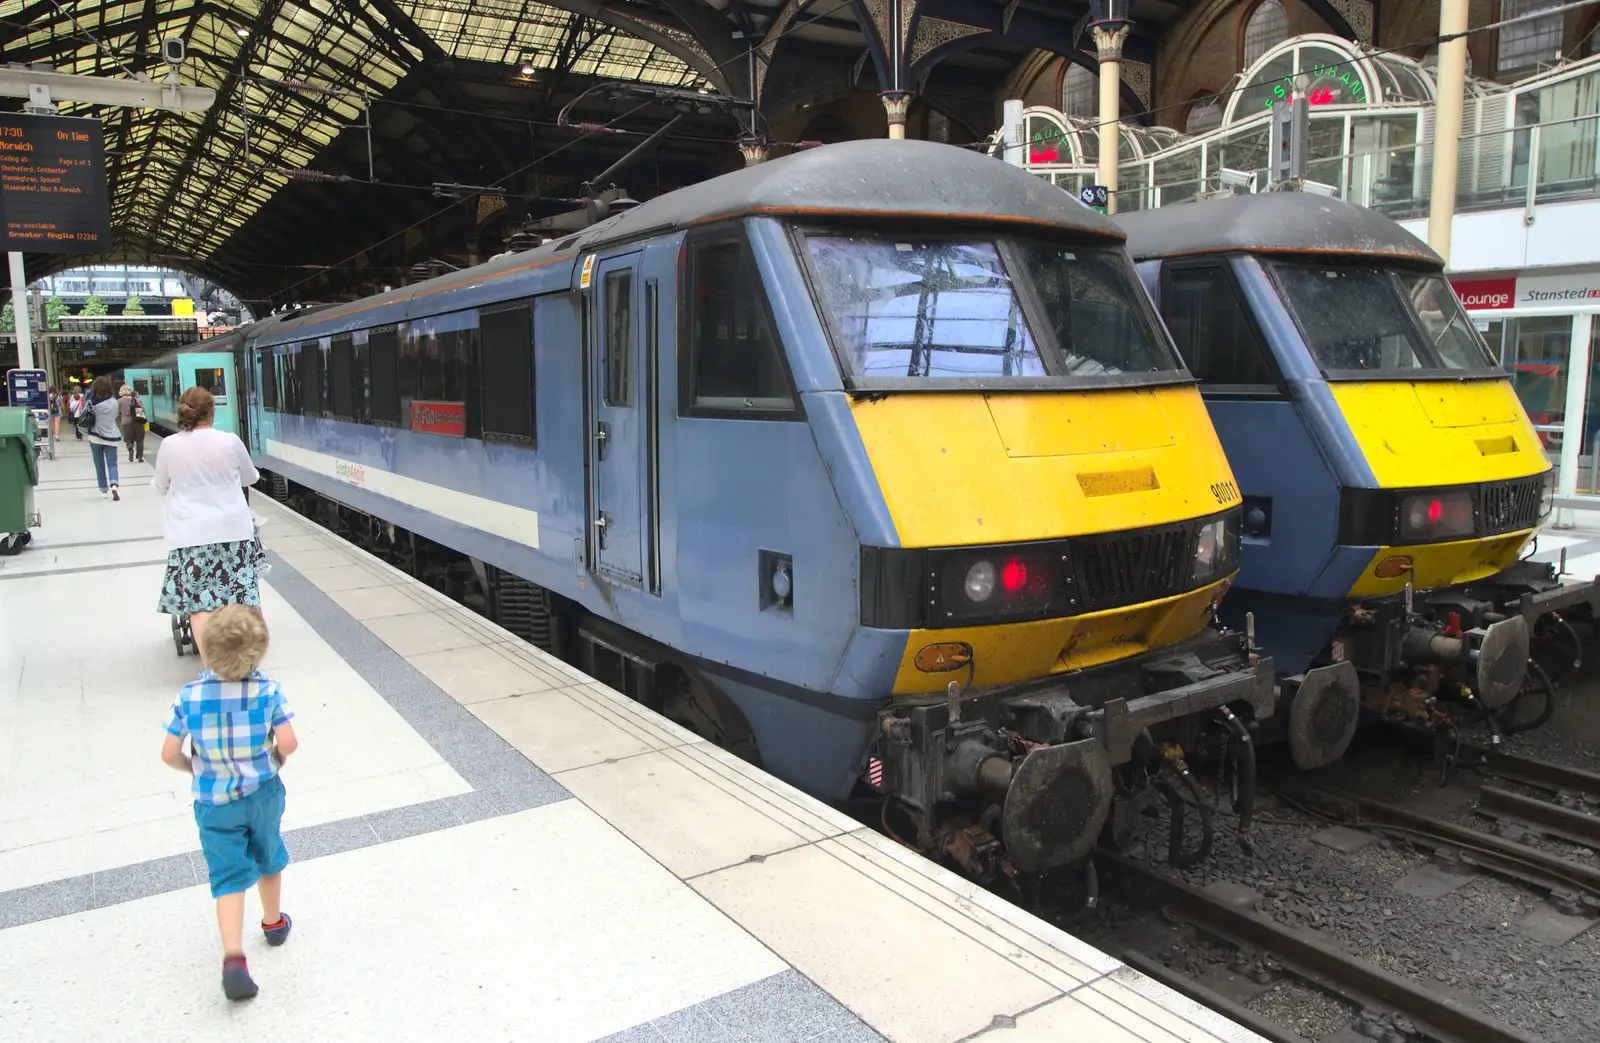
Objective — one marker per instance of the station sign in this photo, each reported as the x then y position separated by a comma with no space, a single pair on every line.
27,388
1486,294
1506,292
53,196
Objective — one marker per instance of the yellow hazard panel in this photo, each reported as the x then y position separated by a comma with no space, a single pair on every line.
1440,432
1436,565
960,468
1006,653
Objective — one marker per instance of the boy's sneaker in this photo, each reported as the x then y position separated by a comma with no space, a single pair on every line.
236,981
278,933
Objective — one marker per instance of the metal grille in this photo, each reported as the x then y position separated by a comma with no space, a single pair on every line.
1509,506
1126,568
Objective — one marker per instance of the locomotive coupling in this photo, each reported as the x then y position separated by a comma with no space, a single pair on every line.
1496,657
1036,765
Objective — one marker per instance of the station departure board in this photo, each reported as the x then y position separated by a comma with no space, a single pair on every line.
53,195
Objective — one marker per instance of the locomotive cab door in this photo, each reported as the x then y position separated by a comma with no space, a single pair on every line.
618,417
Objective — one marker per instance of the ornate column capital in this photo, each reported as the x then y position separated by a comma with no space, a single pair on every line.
755,150
1109,37
896,104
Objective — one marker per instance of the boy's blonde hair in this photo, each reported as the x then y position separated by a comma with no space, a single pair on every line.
234,641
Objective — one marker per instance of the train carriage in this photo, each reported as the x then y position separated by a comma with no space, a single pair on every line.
1391,478
872,462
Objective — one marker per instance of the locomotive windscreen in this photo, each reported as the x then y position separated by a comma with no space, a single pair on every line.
1363,322
937,308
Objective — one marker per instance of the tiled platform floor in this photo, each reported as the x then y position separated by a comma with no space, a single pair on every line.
487,843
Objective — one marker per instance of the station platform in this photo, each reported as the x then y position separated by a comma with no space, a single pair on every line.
487,844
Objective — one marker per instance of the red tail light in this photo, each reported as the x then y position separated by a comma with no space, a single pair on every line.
1014,576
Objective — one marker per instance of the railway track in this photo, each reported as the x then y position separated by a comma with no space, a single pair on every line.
1391,1006
1392,1009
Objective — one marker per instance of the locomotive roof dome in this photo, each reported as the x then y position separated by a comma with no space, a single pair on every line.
1272,222
904,180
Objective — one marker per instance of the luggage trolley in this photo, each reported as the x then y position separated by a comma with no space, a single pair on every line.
44,438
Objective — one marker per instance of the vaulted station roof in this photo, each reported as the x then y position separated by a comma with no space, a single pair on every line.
352,139
289,77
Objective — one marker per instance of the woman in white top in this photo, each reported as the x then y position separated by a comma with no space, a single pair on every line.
212,555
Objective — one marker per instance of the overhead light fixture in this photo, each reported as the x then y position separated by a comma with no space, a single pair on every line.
241,32
527,68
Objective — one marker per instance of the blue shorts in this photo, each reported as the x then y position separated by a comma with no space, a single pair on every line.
240,839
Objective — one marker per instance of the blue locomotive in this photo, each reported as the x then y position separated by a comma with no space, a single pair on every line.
1391,478
873,463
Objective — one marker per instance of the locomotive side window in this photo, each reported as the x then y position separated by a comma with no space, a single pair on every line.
360,380
310,379
1213,331
289,366
384,347
141,385
340,365
733,364
619,338
269,381
508,394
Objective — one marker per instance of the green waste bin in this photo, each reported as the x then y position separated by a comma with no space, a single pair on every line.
19,473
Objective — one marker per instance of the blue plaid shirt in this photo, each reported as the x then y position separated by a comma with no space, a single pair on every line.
230,727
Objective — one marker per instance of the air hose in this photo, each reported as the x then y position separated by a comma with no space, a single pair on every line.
1508,715
1244,800
1176,856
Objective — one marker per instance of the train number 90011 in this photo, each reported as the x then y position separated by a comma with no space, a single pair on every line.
1225,492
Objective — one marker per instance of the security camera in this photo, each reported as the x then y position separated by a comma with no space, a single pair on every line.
172,50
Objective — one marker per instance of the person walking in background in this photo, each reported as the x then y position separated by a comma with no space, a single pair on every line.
99,422
213,558
130,417
75,407
55,413
240,737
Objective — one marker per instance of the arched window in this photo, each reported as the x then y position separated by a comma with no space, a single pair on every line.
1267,26
1080,92
1204,114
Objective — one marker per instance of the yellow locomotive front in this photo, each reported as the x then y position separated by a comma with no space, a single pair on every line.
1067,524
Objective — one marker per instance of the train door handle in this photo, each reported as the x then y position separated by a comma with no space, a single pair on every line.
601,520
602,432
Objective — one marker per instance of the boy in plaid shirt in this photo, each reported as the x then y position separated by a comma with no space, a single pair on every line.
240,736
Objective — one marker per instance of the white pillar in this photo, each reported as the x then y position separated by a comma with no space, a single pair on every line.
1572,421
1011,132
19,308
1108,40
1451,78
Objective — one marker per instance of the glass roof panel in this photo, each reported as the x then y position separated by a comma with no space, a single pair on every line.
186,180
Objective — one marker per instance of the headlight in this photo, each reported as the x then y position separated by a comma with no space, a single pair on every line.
1547,494
998,584
1436,515
980,582
1216,548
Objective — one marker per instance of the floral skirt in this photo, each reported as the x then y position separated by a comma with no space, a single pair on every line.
207,577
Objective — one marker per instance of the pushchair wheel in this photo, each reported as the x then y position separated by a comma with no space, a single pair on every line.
182,635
